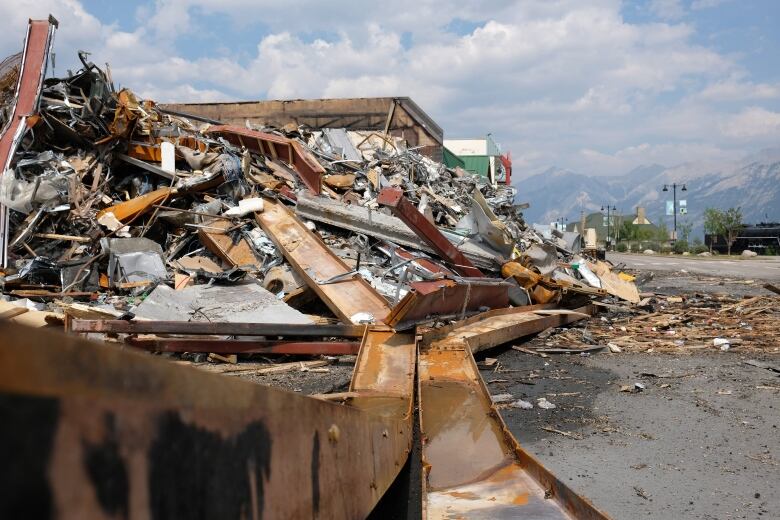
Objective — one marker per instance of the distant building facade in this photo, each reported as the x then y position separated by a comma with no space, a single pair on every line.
482,156
399,116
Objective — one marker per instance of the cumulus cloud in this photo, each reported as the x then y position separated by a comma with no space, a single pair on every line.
753,122
668,9
561,82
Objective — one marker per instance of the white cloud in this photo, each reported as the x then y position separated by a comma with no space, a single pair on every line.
736,90
668,9
752,123
560,82
698,5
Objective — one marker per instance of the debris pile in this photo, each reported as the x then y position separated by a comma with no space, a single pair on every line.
138,212
673,324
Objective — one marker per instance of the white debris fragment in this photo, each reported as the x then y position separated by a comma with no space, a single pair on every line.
523,405
502,398
245,207
543,403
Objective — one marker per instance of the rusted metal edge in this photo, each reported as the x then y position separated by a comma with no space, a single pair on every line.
236,346
431,335
446,298
35,58
96,432
217,328
473,467
315,262
289,150
402,208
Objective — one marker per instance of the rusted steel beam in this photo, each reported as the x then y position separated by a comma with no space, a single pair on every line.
234,346
94,432
493,328
289,150
383,381
473,466
28,89
422,227
315,263
446,298
237,253
217,328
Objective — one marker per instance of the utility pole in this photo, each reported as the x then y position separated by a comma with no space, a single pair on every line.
613,209
674,205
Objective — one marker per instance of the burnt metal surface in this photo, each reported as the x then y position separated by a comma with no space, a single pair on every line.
473,466
219,328
242,346
288,150
447,298
95,432
315,262
402,208
35,58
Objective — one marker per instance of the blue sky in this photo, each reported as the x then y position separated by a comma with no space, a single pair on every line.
598,87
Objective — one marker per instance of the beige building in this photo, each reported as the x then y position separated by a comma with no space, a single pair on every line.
399,116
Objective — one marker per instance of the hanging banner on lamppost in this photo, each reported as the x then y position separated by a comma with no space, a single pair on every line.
669,208
683,206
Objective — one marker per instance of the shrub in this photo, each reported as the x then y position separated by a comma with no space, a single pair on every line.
699,248
622,247
680,246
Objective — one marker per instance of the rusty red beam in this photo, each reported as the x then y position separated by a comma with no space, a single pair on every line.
446,298
31,75
233,346
217,328
288,150
402,208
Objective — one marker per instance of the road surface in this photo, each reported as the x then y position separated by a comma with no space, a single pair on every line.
760,268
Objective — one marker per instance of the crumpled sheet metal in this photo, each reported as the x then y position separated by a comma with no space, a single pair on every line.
275,146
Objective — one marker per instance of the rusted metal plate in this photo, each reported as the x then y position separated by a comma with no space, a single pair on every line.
217,328
235,346
33,70
446,298
96,432
422,227
473,467
275,146
231,247
315,263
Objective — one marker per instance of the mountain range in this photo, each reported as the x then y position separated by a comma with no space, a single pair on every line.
752,183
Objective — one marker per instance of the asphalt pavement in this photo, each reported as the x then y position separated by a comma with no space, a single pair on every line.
761,267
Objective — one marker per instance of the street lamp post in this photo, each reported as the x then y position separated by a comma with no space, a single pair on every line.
613,208
674,205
